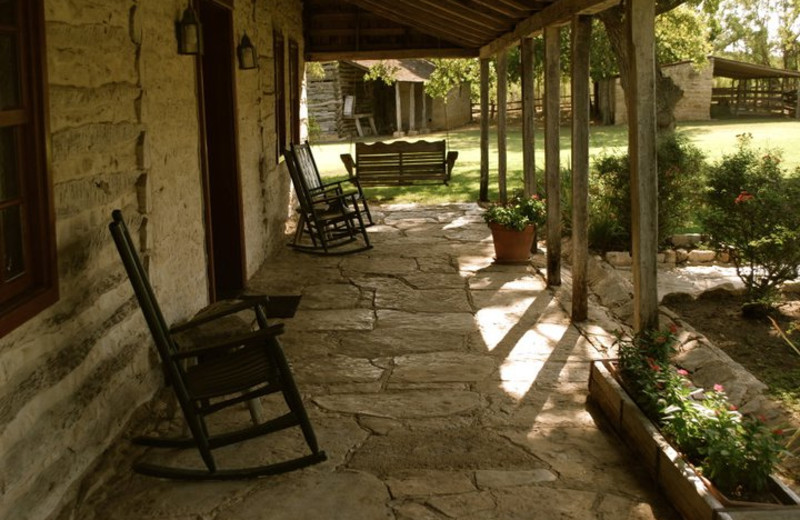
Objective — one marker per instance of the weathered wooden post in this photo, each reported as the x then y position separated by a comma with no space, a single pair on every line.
502,122
552,150
581,39
640,18
398,110
528,119
484,188
412,109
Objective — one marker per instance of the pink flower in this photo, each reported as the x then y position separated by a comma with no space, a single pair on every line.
733,407
683,372
719,388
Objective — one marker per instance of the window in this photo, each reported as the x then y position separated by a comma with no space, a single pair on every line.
294,91
27,241
280,93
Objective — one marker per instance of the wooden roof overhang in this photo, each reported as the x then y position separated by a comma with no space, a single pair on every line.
377,29
733,69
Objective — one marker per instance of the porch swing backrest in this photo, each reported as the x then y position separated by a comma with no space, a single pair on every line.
401,163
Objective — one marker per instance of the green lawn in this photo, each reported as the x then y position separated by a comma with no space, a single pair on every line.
715,138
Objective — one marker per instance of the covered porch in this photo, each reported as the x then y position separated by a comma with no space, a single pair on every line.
440,385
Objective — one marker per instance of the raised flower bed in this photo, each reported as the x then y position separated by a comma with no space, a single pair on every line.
684,487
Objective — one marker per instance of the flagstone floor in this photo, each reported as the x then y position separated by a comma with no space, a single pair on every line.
440,385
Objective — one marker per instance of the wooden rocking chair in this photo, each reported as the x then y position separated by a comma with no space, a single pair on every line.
307,168
235,369
332,217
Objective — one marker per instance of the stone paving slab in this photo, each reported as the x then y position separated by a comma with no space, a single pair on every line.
400,405
441,386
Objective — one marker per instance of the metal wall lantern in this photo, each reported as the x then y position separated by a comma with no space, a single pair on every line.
248,57
190,33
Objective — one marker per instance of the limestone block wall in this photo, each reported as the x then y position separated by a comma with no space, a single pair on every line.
124,133
458,110
695,105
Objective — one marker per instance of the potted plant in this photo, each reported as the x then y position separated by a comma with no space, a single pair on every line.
513,226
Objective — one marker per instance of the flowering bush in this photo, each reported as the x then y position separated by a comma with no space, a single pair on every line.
751,208
518,213
736,452
680,178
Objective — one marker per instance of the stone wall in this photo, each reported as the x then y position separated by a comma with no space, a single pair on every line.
695,105
458,110
124,133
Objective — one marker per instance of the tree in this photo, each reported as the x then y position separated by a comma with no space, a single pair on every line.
671,30
765,31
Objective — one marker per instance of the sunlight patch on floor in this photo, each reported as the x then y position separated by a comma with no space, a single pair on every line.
522,365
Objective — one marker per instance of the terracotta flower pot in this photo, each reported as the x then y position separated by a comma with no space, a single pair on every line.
512,246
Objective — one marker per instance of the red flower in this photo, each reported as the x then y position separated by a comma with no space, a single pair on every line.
661,339
778,431
673,328
653,365
743,197
733,407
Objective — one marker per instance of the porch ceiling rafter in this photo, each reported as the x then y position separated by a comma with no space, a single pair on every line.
557,13
436,20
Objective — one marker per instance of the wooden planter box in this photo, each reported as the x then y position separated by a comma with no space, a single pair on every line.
676,479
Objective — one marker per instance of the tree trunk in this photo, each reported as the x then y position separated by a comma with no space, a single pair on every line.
667,92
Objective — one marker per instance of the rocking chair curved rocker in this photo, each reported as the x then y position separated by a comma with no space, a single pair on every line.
236,368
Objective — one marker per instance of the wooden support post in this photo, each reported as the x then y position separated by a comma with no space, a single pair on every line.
581,40
552,150
412,109
424,123
484,187
528,119
797,106
640,18
398,110
502,123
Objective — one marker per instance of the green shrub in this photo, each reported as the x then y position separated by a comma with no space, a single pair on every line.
680,179
753,208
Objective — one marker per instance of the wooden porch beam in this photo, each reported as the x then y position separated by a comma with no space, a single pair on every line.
387,54
483,196
581,36
640,28
559,13
552,150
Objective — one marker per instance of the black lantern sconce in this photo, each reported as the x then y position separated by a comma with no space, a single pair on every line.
248,57
190,33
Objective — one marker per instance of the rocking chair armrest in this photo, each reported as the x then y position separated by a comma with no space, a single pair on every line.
349,163
223,345
324,190
339,198
246,302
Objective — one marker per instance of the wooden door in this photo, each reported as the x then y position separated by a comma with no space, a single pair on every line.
221,183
